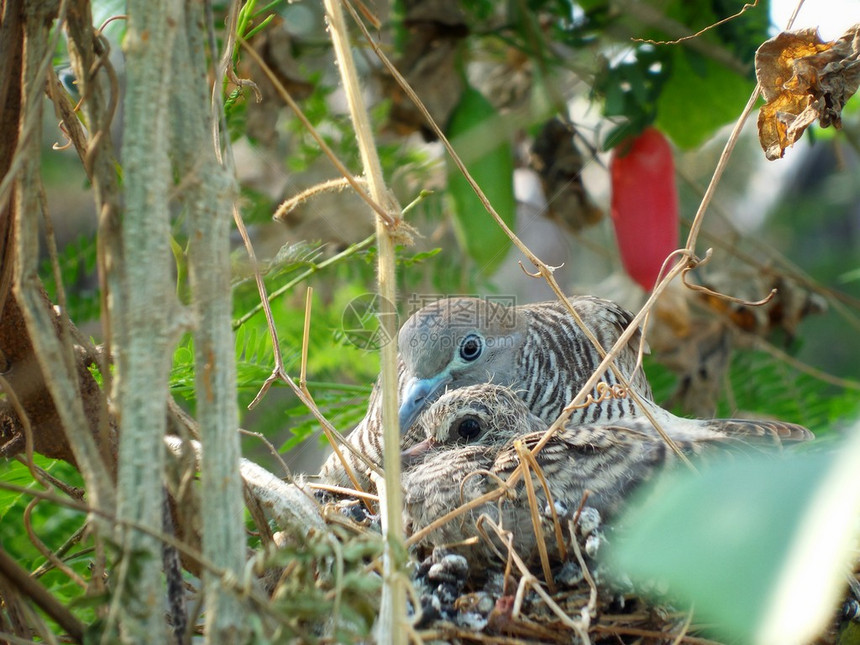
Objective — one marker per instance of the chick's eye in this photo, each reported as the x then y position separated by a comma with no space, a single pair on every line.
469,428
471,347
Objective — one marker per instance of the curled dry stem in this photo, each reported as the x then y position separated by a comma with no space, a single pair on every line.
49,555
677,41
230,48
716,294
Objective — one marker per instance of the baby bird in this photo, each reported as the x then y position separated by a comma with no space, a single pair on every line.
469,449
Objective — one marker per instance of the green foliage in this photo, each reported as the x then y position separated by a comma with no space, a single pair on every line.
343,406
18,474
632,89
688,91
328,584
759,545
719,97
250,21
767,386
77,265
52,523
236,112
474,131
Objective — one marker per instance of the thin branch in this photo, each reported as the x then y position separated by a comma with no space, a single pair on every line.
306,332
64,548
351,250
35,591
49,555
279,372
744,9
392,619
534,512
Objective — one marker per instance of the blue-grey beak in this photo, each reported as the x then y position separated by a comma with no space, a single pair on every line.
418,395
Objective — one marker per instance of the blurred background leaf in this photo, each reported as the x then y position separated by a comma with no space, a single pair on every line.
760,546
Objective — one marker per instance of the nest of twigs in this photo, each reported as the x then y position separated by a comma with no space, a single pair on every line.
456,599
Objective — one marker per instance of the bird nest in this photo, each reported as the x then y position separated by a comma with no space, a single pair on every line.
575,599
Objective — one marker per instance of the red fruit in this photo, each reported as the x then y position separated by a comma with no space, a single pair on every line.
644,204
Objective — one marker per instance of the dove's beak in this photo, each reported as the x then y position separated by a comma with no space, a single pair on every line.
416,452
418,395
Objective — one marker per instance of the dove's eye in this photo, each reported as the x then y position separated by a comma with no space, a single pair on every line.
471,347
468,428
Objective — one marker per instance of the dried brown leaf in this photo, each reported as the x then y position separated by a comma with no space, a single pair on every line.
803,79
434,32
559,162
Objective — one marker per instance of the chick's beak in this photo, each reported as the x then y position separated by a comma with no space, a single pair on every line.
416,453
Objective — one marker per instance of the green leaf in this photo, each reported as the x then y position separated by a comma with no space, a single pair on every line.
758,546
479,135
14,472
693,105
850,276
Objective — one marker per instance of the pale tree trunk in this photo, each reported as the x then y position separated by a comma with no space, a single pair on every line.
144,316
209,194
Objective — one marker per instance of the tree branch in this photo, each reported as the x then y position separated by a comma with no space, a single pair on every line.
143,315
209,195
391,627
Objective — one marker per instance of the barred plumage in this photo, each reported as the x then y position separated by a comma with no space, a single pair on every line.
470,434
538,350
557,359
